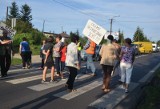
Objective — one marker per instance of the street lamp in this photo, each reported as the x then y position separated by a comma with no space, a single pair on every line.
111,21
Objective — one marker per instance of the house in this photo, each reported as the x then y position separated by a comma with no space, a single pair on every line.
63,34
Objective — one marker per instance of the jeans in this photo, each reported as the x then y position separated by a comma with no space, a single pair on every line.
57,64
62,66
26,59
72,75
126,72
90,64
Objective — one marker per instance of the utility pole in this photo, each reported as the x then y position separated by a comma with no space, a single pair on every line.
62,29
43,26
111,25
111,22
7,14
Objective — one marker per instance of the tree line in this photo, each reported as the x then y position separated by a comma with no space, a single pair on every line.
24,26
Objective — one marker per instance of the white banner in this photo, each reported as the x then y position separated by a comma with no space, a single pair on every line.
94,31
3,26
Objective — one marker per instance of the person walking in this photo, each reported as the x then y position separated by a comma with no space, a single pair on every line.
72,62
127,56
8,50
24,50
57,56
117,60
42,55
90,51
2,54
48,60
63,58
108,55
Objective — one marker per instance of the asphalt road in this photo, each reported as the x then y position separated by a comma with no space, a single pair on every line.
22,89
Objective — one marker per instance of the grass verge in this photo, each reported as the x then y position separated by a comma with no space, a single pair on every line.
16,61
152,94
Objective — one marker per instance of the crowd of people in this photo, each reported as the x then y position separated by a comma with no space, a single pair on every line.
62,54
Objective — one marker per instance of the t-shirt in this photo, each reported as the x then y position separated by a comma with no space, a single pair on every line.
127,55
8,47
25,46
63,53
57,53
49,46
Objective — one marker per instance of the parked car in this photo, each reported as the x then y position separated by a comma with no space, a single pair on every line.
155,47
144,47
135,46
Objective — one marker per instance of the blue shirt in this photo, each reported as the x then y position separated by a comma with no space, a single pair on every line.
25,46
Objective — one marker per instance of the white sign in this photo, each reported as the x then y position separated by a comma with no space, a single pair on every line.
94,31
3,26
114,34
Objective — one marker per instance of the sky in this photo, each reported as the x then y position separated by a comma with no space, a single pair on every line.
72,15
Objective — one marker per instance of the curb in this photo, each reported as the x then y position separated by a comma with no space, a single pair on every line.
137,95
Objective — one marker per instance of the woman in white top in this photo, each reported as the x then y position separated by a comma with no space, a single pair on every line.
72,62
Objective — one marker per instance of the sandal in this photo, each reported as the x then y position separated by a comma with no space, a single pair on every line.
103,87
107,90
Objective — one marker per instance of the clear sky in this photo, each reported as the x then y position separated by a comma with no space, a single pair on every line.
70,15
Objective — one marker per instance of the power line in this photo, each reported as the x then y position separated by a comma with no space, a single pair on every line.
141,21
73,8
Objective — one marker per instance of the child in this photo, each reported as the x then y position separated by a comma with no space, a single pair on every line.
41,54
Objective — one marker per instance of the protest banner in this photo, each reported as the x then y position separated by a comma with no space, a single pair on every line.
3,26
94,32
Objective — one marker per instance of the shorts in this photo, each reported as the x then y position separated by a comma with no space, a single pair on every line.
49,64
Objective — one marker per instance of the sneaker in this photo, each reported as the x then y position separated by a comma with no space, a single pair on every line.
126,90
62,78
23,67
122,86
93,74
43,81
52,81
28,66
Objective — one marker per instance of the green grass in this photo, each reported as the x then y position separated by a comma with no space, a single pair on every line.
152,92
16,61
34,48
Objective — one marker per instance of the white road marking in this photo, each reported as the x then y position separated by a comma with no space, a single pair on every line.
111,99
81,90
41,87
26,79
150,74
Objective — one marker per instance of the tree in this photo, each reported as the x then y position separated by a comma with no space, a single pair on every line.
158,42
121,37
14,11
23,27
77,32
26,13
138,35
